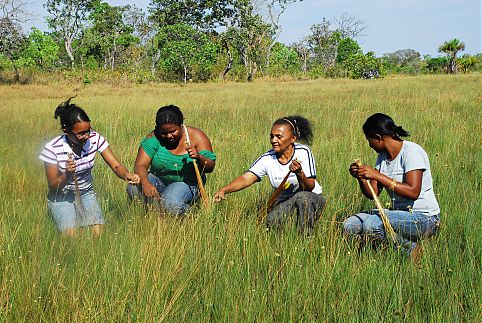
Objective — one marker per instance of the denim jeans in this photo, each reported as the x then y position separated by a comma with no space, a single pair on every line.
410,226
66,214
307,206
176,198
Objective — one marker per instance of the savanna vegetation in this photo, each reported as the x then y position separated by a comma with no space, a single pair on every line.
199,41
217,264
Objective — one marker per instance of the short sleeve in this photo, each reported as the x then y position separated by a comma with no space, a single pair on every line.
308,164
102,144
414,159
258,168
150,146
48,155
208,154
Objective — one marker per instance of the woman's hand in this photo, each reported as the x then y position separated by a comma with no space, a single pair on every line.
150,190
219,196
132,178
295,167
192,151
354,170
367,172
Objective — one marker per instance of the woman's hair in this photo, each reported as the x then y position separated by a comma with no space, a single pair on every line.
169,114
70,114
383,125
300,126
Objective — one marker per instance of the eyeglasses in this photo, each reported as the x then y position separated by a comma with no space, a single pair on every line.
82,134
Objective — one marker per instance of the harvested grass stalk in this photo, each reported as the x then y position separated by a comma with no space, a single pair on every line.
272,199
202,191
386,223
78,205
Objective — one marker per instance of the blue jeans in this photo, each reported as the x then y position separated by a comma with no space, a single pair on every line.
176,198
410,226
66,213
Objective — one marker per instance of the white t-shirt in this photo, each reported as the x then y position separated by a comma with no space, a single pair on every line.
268,164
410,157
56,152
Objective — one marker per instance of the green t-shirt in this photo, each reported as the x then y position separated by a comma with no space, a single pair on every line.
172,168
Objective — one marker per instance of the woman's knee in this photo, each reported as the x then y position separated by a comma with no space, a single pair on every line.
173,205
352,225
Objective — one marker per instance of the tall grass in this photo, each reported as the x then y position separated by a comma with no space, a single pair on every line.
218,264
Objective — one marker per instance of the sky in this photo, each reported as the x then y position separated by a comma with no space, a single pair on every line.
421,25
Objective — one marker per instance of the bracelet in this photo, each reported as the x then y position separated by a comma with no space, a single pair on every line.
393,184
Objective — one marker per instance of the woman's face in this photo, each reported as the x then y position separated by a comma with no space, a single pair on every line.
80,133
281,137
376,143
169,133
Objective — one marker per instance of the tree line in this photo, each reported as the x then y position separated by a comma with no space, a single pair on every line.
199,40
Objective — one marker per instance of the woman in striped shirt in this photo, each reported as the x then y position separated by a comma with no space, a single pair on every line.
69,159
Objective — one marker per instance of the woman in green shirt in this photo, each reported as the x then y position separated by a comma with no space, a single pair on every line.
164,162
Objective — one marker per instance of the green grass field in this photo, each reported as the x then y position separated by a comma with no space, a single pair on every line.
218,265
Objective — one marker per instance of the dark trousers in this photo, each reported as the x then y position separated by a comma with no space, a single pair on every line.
308,206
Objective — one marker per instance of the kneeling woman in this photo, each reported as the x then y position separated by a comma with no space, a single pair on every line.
165,162
403,169
302,192
69,160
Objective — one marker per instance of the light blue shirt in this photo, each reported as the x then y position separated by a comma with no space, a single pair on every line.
410,157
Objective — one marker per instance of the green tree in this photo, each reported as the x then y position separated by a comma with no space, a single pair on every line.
276,8
403,61
182,48
12,37
467,62
249,36
347,48
68,19
435,64
364,66
284,60
451,48
109,34
40,51
201,14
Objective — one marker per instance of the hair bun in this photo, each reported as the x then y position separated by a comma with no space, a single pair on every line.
62,107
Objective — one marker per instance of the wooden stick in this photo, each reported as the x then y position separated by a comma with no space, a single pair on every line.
202,191
79,205
272,199
386,223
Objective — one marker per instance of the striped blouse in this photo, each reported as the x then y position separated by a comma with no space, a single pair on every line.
56,152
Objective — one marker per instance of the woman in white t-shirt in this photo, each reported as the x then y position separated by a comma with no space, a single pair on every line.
68,160
403,169
301,193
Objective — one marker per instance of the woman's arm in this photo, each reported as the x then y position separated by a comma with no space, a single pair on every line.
141,167
199,141
306,184
57,180
119,169
239,183
409,188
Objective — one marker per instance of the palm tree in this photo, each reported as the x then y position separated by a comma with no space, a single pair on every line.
452,47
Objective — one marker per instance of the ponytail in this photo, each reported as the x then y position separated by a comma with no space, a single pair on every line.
383,125
70,114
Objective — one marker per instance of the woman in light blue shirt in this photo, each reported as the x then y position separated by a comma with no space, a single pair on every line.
403,169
